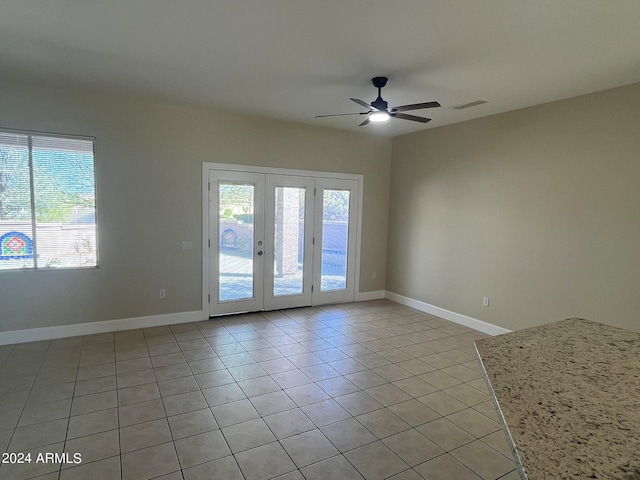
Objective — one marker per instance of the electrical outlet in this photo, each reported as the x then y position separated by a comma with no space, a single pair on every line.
485,301
163,293
186,245
374,275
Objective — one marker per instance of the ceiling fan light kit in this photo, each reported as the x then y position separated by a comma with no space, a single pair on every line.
379,117
379,112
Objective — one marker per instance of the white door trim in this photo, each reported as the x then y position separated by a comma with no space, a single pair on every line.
206,251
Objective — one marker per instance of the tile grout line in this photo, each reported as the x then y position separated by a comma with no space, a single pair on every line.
310,325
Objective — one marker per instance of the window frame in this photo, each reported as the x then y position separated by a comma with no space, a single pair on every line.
33,133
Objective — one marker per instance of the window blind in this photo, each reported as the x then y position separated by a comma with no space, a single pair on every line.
47,202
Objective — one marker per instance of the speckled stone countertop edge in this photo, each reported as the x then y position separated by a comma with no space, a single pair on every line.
570,393
503,421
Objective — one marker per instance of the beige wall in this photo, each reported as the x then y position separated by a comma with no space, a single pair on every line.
148,160
538,209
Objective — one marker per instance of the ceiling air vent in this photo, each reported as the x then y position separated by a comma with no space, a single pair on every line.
469,105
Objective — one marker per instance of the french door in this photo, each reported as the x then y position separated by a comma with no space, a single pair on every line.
334,255
279,241
289,230
237,240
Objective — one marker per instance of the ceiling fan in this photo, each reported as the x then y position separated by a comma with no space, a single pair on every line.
378,110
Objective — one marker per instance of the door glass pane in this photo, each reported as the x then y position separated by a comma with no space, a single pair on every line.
335,239
288,246
236,224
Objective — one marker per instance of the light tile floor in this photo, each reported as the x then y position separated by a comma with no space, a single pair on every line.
368,390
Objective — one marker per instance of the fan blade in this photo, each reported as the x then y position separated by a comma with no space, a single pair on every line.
364,123
363,103
341,114
415,106
413,118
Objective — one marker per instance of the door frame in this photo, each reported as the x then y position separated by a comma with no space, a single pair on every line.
206,227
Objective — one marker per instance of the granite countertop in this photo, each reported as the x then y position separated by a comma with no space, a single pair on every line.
569,396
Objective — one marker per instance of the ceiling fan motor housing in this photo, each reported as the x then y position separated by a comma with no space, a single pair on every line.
379,104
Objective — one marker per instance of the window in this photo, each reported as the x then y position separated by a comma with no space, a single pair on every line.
47,202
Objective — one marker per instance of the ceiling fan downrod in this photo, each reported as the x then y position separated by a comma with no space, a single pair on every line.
379,103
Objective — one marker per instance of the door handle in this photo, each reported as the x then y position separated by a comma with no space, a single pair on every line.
260,252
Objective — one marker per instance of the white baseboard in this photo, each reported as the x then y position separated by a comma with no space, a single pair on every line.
364,296
470,322
62,331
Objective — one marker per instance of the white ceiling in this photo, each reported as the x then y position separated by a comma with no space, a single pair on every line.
294,59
